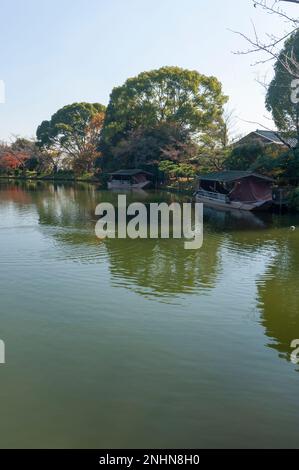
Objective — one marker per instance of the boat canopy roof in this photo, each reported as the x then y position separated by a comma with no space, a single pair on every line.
129,172
230,176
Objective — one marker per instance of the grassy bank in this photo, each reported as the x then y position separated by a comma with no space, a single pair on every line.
57,178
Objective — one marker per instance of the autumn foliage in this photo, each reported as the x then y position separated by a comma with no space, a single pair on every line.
12,160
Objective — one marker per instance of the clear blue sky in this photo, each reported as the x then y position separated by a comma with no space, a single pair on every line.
61,51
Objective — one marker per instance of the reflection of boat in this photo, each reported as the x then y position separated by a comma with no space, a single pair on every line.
240,190
236,219
129,179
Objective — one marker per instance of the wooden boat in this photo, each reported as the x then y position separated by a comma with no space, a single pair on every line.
242,190
129,179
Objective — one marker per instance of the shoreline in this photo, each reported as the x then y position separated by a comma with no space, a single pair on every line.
49,178
188,192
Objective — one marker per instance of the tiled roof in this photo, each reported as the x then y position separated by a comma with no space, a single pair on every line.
130,172
276,137
228,176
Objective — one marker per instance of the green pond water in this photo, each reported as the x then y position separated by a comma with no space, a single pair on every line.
141,343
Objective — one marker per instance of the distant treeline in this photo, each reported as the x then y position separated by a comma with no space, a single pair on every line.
170,121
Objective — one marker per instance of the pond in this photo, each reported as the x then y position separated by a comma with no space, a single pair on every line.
141,343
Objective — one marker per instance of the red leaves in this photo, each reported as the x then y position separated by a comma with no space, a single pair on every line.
10,160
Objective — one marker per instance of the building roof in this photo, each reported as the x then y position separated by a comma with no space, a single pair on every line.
269,135
129,172
230,176
273,137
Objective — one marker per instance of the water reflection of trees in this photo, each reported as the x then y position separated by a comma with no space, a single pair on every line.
279,296
11,192
160,267
278,289
163,267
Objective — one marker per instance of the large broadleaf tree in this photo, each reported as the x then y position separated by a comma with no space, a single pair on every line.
170,95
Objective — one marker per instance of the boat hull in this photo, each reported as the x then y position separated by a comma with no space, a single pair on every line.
238,205
125,185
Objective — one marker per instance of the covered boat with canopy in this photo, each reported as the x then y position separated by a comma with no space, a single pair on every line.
235,190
